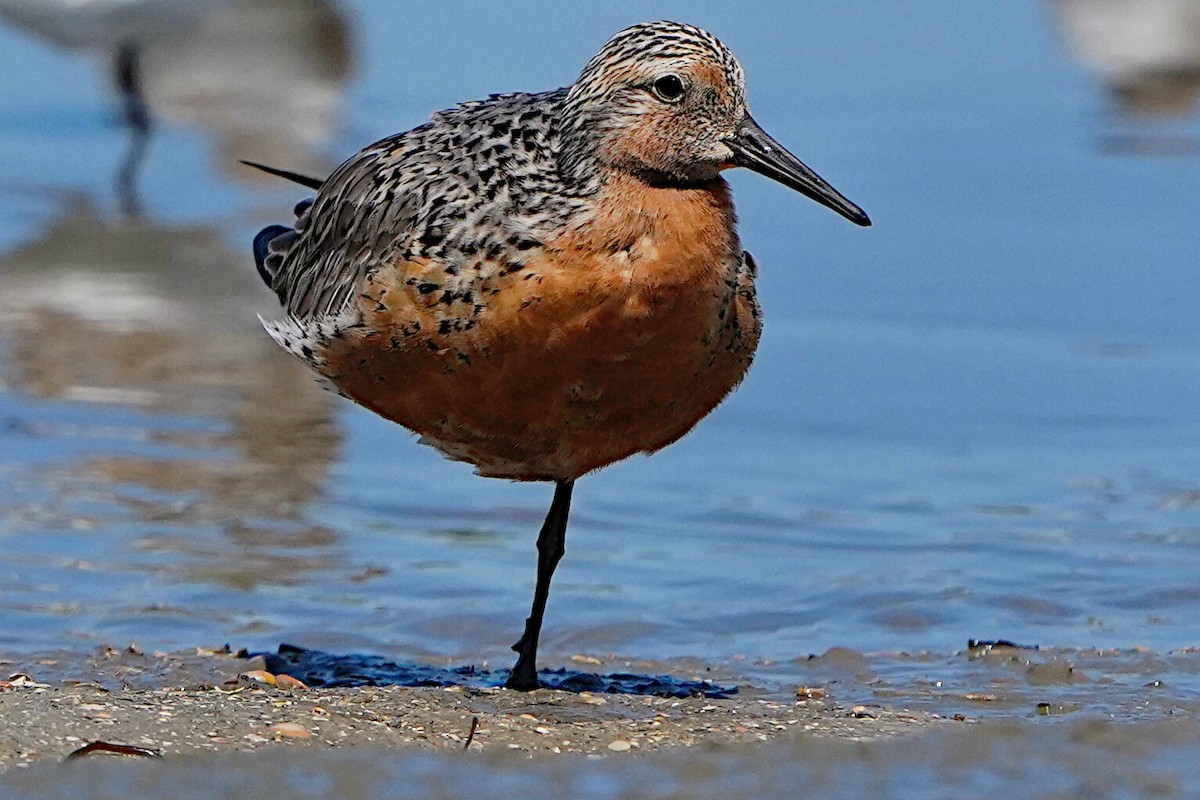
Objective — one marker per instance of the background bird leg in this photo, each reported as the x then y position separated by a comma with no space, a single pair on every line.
127,72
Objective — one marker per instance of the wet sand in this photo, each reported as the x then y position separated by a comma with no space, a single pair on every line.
180,703
241,740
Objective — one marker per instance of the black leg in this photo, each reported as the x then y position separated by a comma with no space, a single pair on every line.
551,545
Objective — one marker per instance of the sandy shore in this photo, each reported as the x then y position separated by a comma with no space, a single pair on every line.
183,703
228,729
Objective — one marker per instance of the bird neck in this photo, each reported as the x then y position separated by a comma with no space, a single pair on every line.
576,149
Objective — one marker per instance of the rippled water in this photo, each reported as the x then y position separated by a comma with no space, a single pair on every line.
975,420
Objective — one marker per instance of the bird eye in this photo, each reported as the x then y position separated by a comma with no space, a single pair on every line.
669,88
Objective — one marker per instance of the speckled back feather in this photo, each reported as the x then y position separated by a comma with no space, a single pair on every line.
478,180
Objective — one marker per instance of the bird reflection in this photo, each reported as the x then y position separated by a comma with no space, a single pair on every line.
1147,53
153,317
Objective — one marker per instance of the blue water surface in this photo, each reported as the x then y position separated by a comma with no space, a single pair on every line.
973,420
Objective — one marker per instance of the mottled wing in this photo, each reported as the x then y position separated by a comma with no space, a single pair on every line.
359,216
466,194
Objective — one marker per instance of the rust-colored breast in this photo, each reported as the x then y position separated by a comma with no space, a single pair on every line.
617,338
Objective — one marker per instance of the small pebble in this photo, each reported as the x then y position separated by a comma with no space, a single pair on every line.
288,682
293,730
619,746
581,658
257,676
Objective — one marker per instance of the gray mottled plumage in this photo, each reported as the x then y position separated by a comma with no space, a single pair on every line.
496,176
477,179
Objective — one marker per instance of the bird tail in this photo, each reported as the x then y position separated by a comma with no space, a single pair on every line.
267,267
273,242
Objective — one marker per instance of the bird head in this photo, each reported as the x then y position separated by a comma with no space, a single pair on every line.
666,102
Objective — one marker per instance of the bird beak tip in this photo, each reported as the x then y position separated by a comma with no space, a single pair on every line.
755,149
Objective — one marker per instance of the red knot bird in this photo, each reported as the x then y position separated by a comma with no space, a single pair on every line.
542,284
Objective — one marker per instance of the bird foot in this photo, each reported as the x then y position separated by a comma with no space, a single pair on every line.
523,678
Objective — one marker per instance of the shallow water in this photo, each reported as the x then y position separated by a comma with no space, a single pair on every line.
975,420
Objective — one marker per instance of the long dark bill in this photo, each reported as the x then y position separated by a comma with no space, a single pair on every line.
754,149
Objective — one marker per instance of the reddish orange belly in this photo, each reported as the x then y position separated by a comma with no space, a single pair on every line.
596,356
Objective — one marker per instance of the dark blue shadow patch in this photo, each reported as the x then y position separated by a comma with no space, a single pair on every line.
317,668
